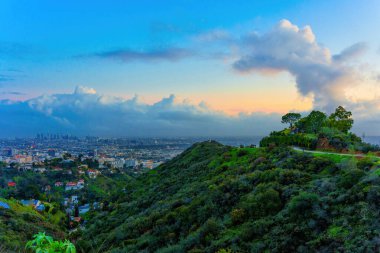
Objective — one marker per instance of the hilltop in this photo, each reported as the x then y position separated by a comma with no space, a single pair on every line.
318,131
215,198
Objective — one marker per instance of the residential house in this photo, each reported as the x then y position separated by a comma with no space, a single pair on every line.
11,184
40,170
36,204
81,183
77,219
31,202
74,199
93,173
58,184
4,205
71,186
84,209
40,208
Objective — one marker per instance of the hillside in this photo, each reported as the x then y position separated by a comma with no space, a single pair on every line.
19,223
213,198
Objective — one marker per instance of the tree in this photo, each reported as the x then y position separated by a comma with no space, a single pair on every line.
290,118
341,119
313,122
76,211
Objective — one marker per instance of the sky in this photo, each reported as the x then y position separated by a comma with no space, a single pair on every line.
185,67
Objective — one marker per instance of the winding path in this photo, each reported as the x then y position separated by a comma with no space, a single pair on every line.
327,153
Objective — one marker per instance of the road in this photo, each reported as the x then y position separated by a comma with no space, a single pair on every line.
327,153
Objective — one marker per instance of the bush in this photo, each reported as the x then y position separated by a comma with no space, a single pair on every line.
317,164
350,178
45,244
303,204
238,215
365,164
300,140
242,152
264,203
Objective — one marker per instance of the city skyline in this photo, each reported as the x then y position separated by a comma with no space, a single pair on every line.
184,68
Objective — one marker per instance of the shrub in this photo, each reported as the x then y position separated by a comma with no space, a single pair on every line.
45,244
336,232
365,164
242,152
350,178
237,215
263,203
303,205
224,251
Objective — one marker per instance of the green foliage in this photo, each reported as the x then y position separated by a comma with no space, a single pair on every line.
19,223
215,198
302,204
237,215
350,178
316,130
224,251
312,123
263,202
341,119
45,244
290,118
337,232
301,140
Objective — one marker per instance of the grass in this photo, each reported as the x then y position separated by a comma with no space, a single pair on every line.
337,158
19,208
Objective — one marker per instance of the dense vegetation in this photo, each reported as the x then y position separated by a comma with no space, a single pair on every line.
319,131
30,185
19,223
218,198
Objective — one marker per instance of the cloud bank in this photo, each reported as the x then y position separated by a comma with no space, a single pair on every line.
84,112
296,50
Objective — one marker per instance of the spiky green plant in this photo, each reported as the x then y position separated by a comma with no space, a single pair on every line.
43,243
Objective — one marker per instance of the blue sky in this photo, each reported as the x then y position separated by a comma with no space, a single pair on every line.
191,49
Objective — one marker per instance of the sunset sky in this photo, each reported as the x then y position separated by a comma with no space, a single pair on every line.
185,67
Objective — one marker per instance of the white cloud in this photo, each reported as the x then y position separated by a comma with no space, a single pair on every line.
84,90
84,112
351,52
295,50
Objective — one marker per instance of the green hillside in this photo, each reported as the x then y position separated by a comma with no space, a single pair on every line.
19,223
216,198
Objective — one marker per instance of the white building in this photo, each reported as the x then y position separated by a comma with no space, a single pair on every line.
119,164
130,163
